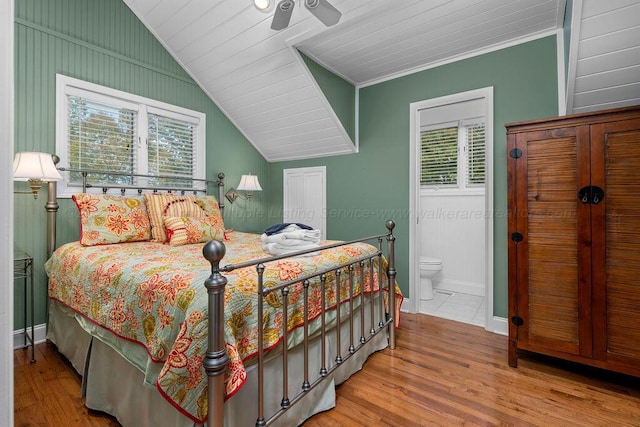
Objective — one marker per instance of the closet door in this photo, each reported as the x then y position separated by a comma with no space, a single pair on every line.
553,259
305,197
616,243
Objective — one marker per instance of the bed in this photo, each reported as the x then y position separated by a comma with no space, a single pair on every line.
211,329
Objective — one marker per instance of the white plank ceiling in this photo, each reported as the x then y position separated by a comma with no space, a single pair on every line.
605,72
255,75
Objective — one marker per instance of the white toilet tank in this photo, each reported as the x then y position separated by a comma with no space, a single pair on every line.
428,263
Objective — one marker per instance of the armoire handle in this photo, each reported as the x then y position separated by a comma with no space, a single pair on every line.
591,194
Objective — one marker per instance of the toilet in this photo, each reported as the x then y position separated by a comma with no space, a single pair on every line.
429,267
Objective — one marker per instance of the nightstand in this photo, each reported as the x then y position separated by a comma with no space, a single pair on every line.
23,269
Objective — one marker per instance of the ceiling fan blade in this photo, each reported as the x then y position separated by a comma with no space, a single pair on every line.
324,11
282,16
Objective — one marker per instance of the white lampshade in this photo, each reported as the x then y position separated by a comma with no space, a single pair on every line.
34,166
249,183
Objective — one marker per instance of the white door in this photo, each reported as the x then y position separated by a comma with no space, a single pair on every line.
305,196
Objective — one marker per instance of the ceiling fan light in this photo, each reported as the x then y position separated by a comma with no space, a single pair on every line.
263,5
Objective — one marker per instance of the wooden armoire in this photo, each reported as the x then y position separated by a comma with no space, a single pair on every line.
574,238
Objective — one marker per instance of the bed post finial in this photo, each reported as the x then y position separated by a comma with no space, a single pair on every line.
390,225
216,359
214,251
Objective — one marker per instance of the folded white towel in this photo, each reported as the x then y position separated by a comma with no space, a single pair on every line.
279,249
274,238
292,232
289,242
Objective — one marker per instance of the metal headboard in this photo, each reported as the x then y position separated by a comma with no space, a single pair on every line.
52,198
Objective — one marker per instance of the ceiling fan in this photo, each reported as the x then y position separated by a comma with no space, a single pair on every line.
321,9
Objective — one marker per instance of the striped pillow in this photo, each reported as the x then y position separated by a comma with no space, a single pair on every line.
170,205
188,230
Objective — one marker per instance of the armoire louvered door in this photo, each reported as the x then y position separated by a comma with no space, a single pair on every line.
616,242
554,282
574,238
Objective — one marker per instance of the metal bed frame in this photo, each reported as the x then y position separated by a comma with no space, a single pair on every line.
216,358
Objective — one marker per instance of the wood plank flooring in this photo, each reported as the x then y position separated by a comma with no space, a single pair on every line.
443,373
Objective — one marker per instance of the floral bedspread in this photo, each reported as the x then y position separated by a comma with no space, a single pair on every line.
154,295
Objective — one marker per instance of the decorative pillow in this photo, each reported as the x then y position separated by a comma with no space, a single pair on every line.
186,230
210,204
106,219
171,205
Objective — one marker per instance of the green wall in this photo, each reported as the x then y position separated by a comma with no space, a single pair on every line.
340,93
103,42
365,189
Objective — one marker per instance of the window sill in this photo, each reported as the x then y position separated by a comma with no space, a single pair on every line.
438,192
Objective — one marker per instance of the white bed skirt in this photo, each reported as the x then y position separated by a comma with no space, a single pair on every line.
113,385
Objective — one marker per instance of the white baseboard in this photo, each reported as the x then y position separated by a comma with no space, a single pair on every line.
39,332
406,306
468,288
500,326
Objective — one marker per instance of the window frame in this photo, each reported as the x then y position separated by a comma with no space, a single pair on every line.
462,173
465,125
66,85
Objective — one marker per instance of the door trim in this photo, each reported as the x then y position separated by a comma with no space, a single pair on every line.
414,193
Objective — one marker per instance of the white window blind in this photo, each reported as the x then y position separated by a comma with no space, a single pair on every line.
475,135
439,156
103,129
171,149
453,155
101,137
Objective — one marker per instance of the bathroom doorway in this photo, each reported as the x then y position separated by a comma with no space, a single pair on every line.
451,201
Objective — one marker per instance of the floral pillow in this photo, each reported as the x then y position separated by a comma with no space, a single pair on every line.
210,205
187,230
106,219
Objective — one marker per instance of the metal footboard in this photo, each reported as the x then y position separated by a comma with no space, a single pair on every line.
216,356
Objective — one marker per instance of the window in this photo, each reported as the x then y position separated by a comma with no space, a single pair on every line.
452,153
102,129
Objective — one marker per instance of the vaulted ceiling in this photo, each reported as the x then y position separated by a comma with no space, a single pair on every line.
258,79
604,66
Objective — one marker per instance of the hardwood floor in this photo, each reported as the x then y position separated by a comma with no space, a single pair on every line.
47,392
442,373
